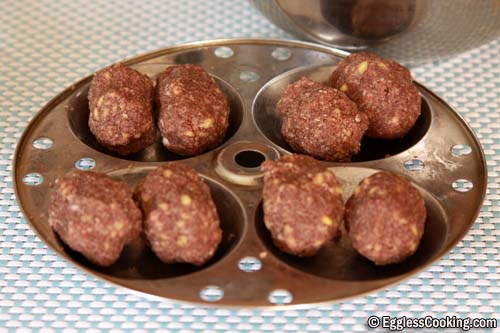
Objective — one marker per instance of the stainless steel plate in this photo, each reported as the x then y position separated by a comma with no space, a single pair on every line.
441,156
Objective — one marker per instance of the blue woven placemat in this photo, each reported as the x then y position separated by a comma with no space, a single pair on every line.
47,45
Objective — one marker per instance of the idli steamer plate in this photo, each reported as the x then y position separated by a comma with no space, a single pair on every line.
441,156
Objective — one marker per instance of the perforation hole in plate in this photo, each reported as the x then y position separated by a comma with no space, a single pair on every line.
224,52
461,150
281,53
249,76
211,294
462,185
414,165
33,179
85,163
43,143
249,264
280,297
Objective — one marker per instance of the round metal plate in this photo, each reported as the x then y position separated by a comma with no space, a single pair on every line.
440,155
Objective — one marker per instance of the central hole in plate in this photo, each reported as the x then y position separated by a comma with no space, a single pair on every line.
249,158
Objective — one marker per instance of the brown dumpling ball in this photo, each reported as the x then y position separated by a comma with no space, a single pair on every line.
302,203
122,121
181,220
381,88
118,76
293,95
193,111
94,215
121,109
385,218
321,121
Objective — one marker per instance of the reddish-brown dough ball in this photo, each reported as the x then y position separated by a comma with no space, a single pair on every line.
181,220
94,215
122,121
385,218
193,110
381,88
121,109
321,121
303,205
119,76
294,93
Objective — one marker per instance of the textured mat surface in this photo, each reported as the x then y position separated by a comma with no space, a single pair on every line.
47,45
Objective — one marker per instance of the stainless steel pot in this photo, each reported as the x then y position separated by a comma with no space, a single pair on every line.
411,31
